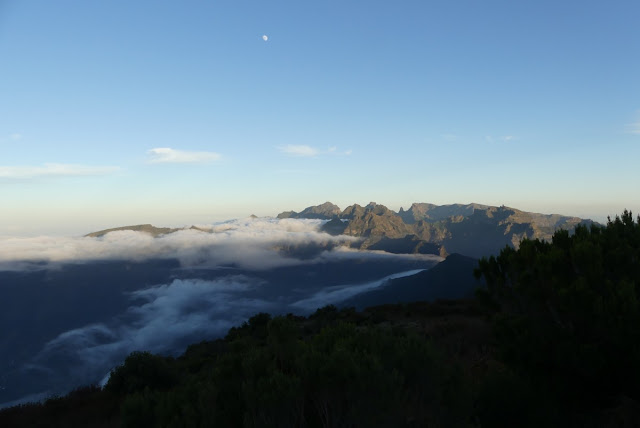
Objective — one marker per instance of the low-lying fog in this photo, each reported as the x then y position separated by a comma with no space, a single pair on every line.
73,308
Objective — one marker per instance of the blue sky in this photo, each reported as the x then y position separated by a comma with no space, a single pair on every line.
166,112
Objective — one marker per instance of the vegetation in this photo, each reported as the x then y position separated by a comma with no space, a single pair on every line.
552,341
336,368
566,320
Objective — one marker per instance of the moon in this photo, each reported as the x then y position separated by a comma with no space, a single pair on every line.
265,37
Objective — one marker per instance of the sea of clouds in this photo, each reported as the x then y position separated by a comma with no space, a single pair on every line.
186,306
247,243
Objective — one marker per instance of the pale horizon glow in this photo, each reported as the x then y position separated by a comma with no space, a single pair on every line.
53,170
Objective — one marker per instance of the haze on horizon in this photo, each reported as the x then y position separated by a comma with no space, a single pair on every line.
116,113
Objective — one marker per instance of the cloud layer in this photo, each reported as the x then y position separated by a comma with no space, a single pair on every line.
247,243
299,150
168,155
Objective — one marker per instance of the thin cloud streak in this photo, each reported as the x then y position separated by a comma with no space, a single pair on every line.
339,293
169,155
298,150
308,151
54,170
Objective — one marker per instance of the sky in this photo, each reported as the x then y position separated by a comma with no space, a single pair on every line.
183,112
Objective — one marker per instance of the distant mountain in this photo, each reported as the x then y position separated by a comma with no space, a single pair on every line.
324,211
450,279
146,228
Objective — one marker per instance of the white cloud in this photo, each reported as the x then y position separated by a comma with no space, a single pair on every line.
163,315
53,170
15,136
634,128
168,155
249,243
299,150
339,293
265,38
308,151
160,319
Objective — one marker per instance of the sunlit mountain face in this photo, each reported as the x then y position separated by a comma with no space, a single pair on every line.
73,308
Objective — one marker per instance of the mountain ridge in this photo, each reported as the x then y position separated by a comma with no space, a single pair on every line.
474,229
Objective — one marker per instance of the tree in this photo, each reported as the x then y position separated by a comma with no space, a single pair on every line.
568,311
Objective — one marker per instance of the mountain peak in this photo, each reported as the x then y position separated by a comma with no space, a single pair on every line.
324,211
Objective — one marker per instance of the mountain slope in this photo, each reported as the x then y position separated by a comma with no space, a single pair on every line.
450,279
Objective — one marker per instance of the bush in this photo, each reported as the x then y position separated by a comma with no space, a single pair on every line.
142,370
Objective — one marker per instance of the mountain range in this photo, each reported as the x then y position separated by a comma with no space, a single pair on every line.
474,230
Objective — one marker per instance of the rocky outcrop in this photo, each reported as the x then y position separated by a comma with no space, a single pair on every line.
324,211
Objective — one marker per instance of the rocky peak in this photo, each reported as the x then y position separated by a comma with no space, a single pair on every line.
324,211
352,211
